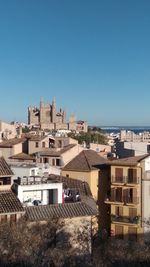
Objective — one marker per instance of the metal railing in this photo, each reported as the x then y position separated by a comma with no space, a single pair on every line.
32,180
114,199
131,200
123,199
125,180
125,219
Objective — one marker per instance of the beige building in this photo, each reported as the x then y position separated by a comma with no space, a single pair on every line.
82,168
12,147
58,157
9,131
128,198
102,150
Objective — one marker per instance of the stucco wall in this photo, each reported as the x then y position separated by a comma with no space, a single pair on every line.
71,153
90,177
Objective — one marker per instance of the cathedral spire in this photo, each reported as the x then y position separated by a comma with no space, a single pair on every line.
41,101
54,102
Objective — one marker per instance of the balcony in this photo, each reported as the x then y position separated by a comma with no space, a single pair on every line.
121,199
131,200
114,199
118,180
125,219
124,180
132,180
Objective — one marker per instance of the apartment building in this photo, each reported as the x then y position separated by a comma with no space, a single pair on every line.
128,198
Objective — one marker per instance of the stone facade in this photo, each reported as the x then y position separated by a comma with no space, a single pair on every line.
47,117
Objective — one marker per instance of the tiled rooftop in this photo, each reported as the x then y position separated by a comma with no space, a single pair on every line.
9,203
52,152
67,210
22,156
11,142
5,169
130,161
36,137
85,161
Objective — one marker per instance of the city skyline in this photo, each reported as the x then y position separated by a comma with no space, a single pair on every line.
92,56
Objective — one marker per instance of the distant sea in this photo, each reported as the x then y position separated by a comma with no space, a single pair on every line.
117,129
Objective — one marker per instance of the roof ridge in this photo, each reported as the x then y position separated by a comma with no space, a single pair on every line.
87,159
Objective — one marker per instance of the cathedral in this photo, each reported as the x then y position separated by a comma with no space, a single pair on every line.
47,117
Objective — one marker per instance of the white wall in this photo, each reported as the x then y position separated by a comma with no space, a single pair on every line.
42,189
147,164
146,208
24,171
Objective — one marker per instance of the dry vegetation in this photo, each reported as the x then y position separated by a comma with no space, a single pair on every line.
119,253
26,246
35,245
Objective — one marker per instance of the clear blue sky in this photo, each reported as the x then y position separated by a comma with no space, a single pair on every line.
92,55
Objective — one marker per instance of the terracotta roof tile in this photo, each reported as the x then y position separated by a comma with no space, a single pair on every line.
5,169
54,152
36,137
85,161
128,161
9,203
66,210
22,156
11,142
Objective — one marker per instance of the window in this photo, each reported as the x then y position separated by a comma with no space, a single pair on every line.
43,144
5,180
67,175
57,162
45,160
148,148
132,176
36,144
119,175
53,162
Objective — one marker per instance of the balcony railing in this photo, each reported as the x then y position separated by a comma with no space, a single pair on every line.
131,200
123,199
125,219
118,180
114,199
124,180
132,180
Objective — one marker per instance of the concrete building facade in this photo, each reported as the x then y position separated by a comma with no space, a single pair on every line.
129,197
